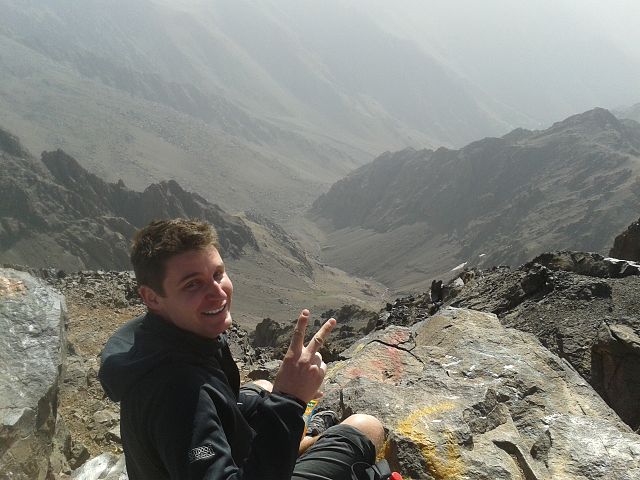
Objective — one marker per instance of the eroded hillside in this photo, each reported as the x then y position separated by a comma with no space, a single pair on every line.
418,214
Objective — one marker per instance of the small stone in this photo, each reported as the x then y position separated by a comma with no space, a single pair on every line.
114,434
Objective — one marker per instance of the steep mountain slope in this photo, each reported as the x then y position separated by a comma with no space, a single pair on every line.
251,104
413,215
626,246
632,112
546,59
55,214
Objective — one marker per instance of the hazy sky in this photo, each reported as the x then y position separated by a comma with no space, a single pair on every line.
615,19
546,58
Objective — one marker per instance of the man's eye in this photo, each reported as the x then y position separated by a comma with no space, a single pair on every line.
194,284
218,276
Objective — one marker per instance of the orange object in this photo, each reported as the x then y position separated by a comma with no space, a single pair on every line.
308,412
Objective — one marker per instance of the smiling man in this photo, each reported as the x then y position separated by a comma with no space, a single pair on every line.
183,413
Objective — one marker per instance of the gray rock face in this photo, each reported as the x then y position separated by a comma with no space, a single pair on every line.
563,298
463,397
615,370
55,213
102,467
273,338
586,263
32,319
627,245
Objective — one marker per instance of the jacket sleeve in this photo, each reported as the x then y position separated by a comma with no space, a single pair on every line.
279,427
188,424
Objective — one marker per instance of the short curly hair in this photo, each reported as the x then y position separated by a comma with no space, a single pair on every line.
160,240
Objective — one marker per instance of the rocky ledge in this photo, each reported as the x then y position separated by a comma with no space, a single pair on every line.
463,397
32,350
460,393
583,307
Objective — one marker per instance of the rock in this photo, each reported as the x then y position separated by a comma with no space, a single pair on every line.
240,346
114,434
563,303
267,371
626,246
61,449
353,322
585,263
106,417
615,370
75,371
464,397
269,333
102,467
598,451
406,311
79,455
114,289
32,350
12,145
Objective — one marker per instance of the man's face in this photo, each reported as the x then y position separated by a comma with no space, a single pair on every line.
197,293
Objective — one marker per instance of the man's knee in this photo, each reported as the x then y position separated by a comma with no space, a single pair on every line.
370,426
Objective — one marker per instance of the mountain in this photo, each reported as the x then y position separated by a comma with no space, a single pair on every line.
55,214
413,215
632,112
545,60
254,105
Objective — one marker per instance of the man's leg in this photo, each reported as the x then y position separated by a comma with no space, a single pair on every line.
333,453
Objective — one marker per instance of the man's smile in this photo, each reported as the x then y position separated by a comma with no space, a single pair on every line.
217,311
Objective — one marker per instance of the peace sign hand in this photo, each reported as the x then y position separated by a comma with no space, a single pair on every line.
302,369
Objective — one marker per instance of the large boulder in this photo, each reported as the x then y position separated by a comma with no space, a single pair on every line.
615,370
463,397
627,245
32,322
564,298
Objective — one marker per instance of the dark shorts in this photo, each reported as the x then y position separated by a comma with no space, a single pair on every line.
331,457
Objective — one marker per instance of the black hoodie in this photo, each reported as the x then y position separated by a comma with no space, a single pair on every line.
179,417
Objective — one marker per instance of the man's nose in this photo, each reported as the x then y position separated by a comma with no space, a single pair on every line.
216,290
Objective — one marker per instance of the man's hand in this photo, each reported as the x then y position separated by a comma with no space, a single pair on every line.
302,369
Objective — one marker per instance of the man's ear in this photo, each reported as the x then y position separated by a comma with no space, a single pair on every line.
149,297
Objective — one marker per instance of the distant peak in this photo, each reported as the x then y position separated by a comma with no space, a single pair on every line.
597,118
63,166
516,135
11,144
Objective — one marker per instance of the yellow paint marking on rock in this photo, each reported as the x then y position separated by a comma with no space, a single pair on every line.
444,462
333,369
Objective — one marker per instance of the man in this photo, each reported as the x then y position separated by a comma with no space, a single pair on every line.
183,414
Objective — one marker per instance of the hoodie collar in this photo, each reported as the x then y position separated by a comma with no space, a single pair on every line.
177,339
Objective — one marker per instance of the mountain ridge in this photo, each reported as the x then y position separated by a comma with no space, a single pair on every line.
506,199
55,214
222,86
